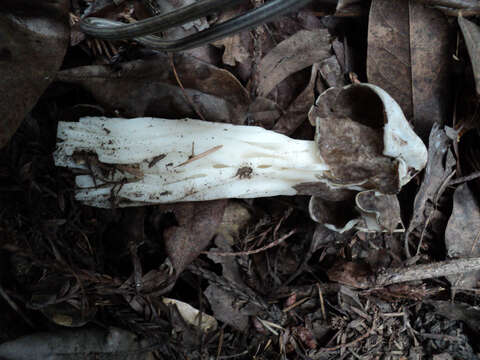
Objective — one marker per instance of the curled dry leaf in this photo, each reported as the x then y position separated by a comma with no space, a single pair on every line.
43,31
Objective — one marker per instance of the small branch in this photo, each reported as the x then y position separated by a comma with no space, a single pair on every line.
463,179
427,271
353,342
200,156
255,251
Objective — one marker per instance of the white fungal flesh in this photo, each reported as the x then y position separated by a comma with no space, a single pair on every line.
162,161
400,141
229,161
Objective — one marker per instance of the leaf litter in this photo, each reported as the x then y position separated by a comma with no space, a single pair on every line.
245,278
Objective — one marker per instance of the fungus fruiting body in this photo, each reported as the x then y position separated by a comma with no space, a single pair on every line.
131,162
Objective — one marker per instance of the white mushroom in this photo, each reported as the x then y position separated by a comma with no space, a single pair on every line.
129,162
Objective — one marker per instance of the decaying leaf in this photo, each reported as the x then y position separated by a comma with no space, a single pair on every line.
408,54
297,112
462,236
471,34
206,323
228,309
153,88
296,53
198,223
356,274
236,46
331,72
25,76
440,168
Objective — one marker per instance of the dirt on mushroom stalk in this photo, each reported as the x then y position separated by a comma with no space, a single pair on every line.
244,278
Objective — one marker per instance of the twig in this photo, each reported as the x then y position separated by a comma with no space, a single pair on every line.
427,271
463,179
322,303
220,344
353,342
201,155
251,252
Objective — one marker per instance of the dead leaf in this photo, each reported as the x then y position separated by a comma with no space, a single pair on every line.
236,46
33,43
206,323
198,223
471,34
462,235
356,274
408,54
293,54
297,112
153,89
439,169
331,72
228,309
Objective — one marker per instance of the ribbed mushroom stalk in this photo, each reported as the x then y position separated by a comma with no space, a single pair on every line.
131,162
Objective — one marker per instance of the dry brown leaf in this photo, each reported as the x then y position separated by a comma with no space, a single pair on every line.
440,168
236,46
293,54
408,56
297,112
198,223
462,236
471,34
356,274
150,88
32,46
